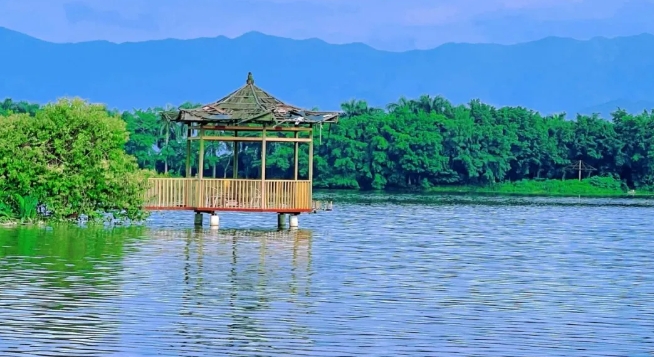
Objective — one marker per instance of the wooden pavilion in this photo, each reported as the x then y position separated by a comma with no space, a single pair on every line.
251,115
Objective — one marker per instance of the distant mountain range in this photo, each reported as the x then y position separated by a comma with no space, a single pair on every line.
549,75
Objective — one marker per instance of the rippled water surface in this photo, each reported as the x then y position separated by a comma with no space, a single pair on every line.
380,275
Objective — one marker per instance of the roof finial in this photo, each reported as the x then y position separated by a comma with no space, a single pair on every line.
250,79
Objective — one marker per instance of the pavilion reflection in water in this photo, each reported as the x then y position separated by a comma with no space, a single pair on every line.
279,247
140,290
246,276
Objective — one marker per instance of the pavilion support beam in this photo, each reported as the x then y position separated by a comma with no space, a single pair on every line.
311,155
294,221
214,220
200,169
188,153
253,139
188,166
289,140
235,163
253,128
281,220
197,221
201,158
311,165
296,153
263,168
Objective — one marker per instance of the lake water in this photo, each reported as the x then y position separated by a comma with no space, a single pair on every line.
382,275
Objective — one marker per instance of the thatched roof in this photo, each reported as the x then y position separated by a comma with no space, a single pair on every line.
251,105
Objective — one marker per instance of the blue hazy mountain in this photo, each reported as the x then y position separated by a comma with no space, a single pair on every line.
631,106
550,75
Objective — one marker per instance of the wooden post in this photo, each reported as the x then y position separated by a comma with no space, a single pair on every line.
296,154
311,155
235,163
201,155
200,169
188,153
188,166
311,166
580,170
263,168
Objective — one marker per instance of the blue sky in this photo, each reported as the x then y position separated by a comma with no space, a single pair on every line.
386,24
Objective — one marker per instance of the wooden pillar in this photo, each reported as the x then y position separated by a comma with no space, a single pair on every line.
187,184
296,154
200,170
311,167
235,159
311,155
201,155
580,170
263,168
188,152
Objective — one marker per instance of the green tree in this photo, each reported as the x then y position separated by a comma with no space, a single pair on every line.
71,157
167,130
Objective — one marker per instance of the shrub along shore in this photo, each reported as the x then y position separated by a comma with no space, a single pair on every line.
66,160
72,158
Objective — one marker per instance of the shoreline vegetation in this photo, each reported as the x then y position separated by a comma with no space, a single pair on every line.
544,188
587,188
70,158
65,161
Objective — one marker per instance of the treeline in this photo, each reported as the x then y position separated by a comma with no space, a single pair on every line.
421,143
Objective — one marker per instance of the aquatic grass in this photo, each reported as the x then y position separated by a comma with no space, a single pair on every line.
19,208
5,211
27,207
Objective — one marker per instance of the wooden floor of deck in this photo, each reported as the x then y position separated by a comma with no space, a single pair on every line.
229,209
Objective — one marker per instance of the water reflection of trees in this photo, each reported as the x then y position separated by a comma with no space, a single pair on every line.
55,282
104,287
239,279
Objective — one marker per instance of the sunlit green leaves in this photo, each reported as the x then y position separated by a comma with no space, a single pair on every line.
70,158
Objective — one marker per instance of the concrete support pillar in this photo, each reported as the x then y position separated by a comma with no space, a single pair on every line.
294,221
198,219
214,221
281,220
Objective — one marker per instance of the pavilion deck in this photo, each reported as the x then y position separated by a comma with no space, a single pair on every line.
244,195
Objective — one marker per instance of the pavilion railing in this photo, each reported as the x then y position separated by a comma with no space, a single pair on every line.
167,193
229,194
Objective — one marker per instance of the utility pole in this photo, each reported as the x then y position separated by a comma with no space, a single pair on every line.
580,167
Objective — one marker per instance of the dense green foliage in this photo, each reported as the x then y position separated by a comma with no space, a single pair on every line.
430,143
67,159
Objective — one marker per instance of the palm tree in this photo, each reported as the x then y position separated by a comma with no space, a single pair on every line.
167,129
424,103
440,105
357,107
401,103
